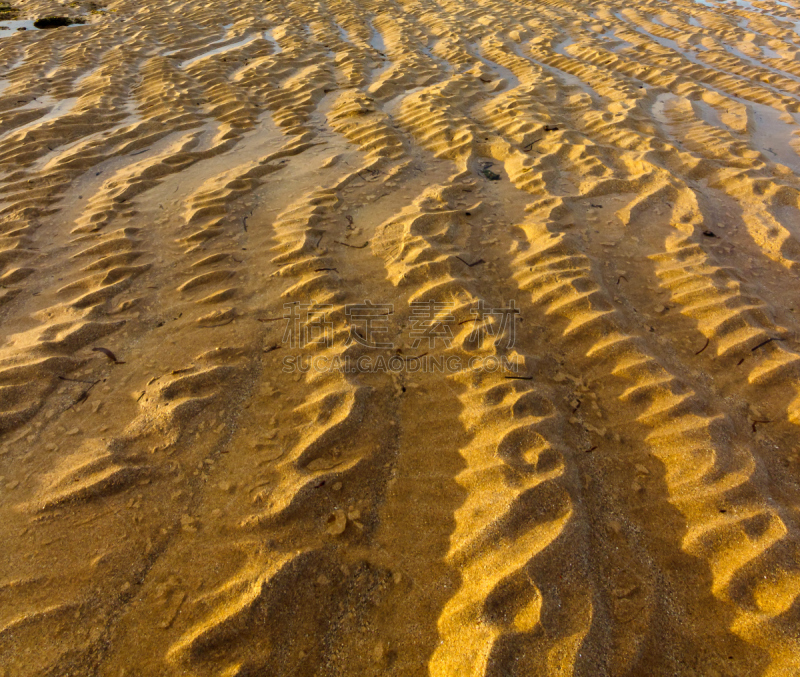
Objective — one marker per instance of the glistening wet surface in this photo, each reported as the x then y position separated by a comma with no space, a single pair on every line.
400,338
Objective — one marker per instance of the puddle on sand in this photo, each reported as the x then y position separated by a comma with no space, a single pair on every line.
512,80
14,26
767,133
377,43
746,6
561,47
271,39
342,32
771,136
690,56
60,108
376,40
702,110
377,74
770,53
610,36
567,78
658,22
439,61
11,27
219,50
709,114
658,109
664,42
392,103
759,64
5,82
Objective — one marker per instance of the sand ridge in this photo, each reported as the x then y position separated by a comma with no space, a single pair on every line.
175,502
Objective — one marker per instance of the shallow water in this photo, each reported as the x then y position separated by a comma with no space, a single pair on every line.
507,75
342,32
772,136
270,38
171,217
376,40
219,50
60,108
11,27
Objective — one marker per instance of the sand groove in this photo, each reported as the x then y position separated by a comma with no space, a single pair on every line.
705,475
194,197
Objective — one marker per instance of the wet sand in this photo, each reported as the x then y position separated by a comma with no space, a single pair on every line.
180,495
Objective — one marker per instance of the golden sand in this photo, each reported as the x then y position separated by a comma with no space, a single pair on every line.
620,498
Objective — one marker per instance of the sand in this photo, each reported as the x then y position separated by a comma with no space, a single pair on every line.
606,484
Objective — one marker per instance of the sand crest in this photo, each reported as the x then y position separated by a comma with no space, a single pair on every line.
401,338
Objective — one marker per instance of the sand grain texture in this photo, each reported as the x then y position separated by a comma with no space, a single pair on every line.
174,502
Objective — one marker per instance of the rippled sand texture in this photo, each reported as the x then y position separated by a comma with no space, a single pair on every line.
173,173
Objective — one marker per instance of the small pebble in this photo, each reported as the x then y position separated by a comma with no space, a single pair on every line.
337,523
